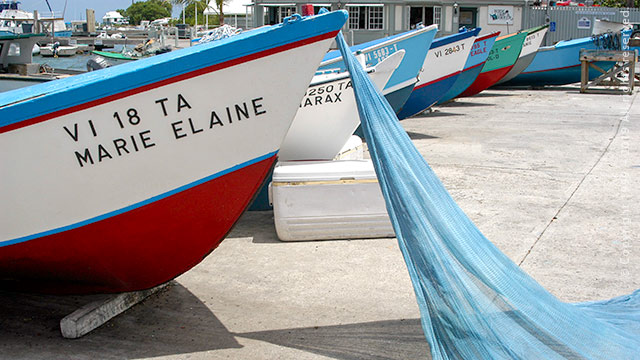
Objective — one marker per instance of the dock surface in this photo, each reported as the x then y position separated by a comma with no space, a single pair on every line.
551,176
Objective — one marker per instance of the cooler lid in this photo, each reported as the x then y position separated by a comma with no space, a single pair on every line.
298,171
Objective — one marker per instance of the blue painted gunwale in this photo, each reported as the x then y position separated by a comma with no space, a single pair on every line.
65,95
472,68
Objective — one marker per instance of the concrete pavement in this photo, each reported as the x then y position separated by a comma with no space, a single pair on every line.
552,177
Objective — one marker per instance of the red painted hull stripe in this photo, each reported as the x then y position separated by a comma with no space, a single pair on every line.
137,205
495,34
168,81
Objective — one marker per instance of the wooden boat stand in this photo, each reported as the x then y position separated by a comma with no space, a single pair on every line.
624,60
97,313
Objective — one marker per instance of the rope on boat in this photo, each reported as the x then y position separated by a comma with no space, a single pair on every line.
219,33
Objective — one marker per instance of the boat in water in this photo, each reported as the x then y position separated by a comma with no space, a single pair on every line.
57,50
472,68
559,64
529,49
442,66
146,49
502,58
415,43
123,178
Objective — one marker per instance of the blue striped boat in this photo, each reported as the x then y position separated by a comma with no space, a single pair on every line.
415,43
444,63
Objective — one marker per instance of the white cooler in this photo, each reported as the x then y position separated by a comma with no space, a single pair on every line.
321,200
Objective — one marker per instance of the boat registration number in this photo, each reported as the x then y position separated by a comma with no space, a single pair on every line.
377,55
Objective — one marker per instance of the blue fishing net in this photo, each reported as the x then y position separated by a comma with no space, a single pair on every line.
475,302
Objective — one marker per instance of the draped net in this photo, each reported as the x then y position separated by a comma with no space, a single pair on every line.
475,303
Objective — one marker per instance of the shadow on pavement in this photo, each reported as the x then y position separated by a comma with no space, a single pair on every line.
171,322
390,339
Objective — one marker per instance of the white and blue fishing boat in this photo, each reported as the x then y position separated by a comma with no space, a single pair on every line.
472,68
415,43
123,178
558,64
442,66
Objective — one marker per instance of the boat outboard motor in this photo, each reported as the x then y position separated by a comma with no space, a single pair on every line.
97,63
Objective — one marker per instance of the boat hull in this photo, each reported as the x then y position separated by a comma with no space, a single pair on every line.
473,67
48,51
503,56
559,76
531,45
123,178
426,95
328,114
485,80
442,66
558,65
110,258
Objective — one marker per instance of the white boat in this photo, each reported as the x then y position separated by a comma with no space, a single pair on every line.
17,21
328,114
58,50
123,178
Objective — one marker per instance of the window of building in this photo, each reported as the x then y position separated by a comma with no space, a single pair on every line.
468,17
366,17
427,15
275,14
375,18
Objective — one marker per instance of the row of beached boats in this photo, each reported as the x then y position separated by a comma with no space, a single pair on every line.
123,178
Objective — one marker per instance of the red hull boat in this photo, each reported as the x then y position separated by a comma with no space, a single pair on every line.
122,179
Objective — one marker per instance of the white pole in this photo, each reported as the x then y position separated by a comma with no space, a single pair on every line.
183,21
195,12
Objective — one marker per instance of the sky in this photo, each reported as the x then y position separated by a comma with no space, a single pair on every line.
76,8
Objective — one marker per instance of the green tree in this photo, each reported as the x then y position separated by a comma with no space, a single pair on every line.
148,10
618,3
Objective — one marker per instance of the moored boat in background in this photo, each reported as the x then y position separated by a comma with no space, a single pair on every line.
503,56
123,178
472,68
442,66
56,50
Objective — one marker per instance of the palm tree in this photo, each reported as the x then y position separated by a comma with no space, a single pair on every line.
219,5
198,4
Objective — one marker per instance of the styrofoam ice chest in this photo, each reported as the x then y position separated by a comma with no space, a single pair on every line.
321,200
